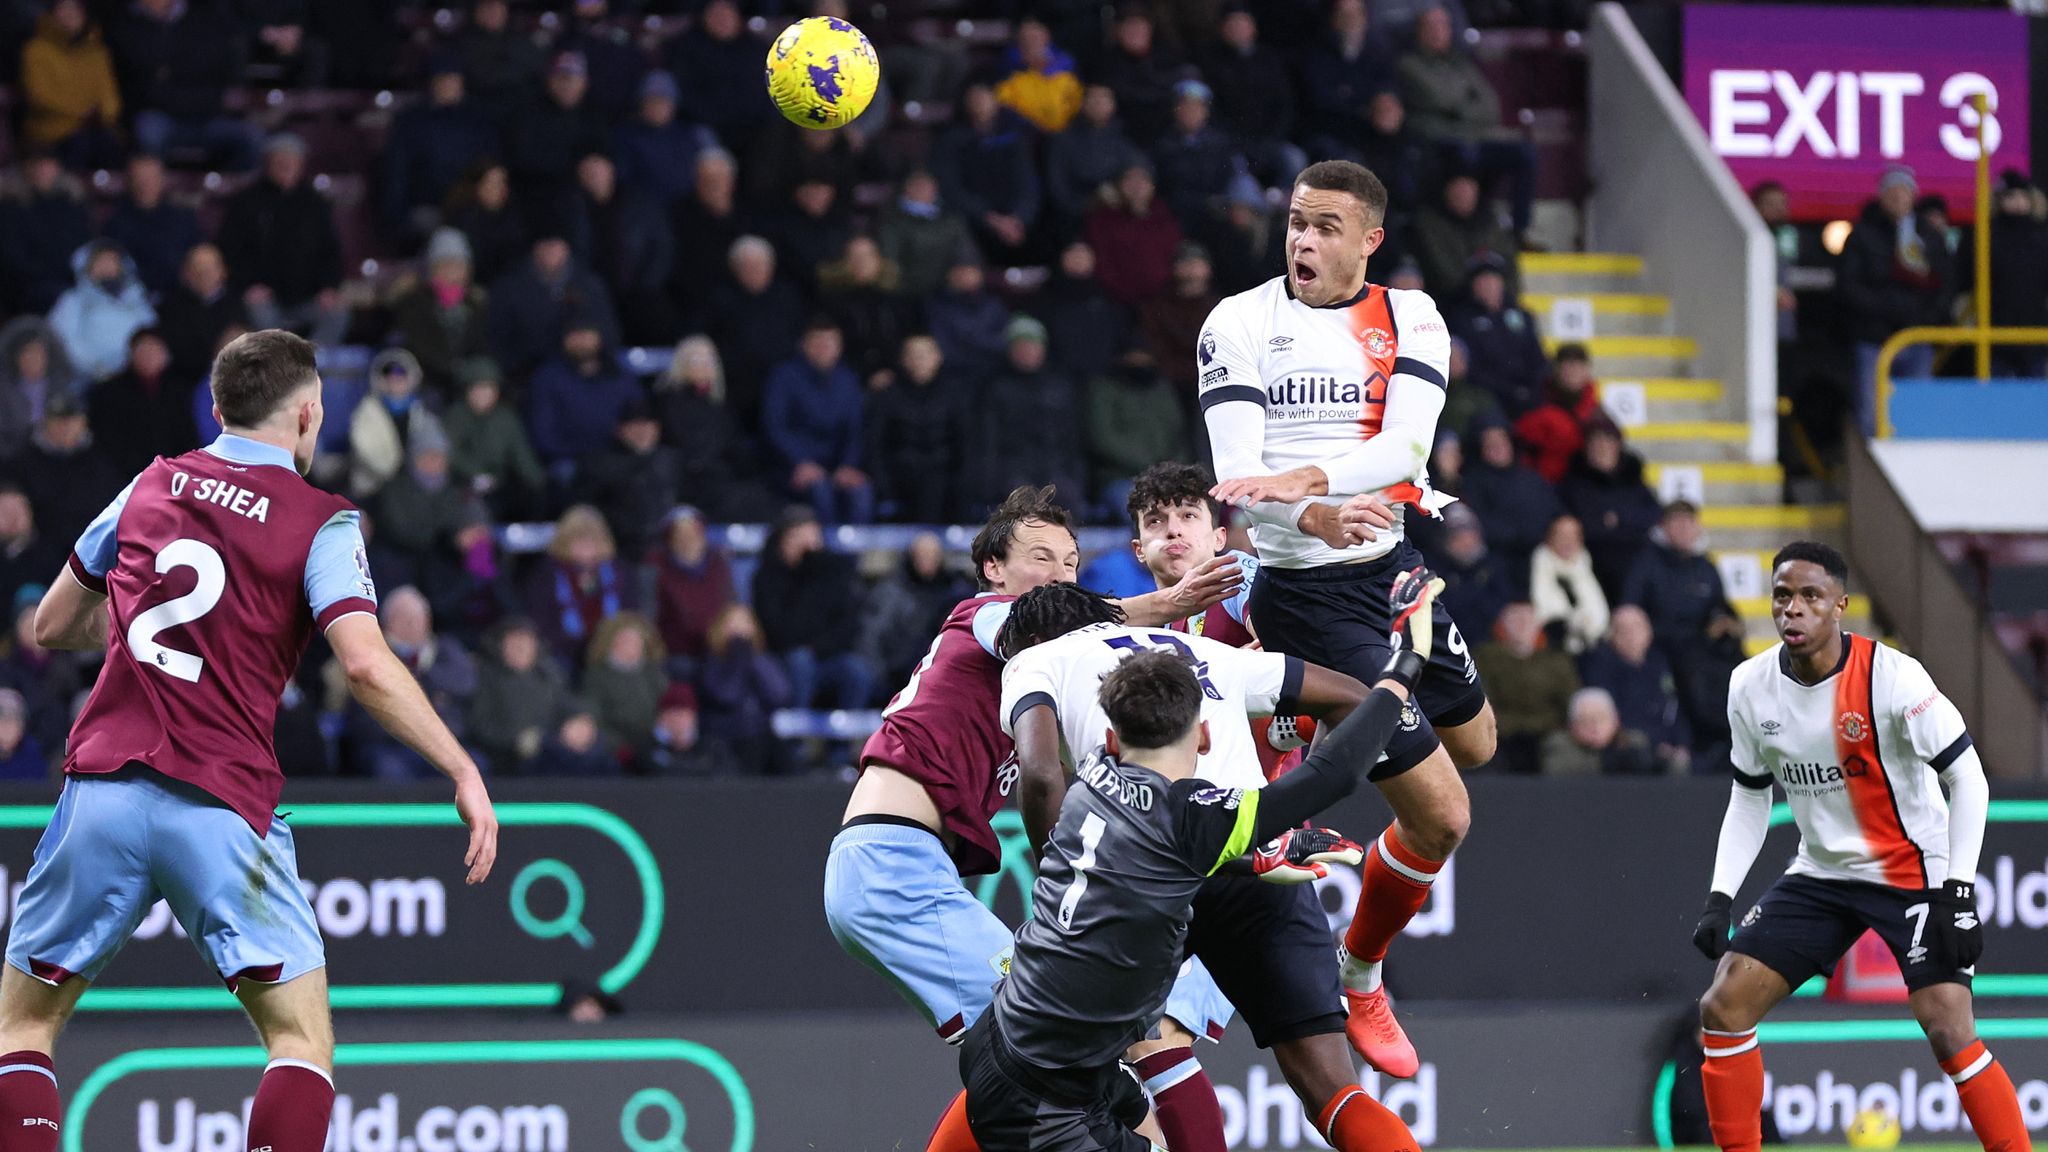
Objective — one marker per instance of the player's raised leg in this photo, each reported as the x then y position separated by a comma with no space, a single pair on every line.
1744,991
1987,1093
32,1012
296,1094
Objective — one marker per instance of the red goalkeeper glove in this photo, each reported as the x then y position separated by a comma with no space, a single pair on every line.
1300,855
1286,733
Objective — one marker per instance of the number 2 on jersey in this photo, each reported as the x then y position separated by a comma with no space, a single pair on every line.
142,631
1092,828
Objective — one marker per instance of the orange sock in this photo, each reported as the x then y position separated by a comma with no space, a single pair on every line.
951,1133
1355,1122
1733,1077
1396,886
1988,1099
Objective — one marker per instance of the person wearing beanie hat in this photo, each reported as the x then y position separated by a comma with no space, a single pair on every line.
2019,272
1172,322
1196,160
279,239
430,146
679,746
1023,327
546,137
444,318
635,481
1030,426
384,425
1895,272
488,450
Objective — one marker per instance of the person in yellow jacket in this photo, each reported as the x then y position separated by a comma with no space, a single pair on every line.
68,90
1042,86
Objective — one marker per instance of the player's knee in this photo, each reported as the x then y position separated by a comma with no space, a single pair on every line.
1949,1036
1474,742
1721,1010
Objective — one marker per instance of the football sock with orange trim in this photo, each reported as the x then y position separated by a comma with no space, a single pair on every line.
1733,1077
293,1102
1184,1100
951,1133
1988,1099
1355,1122
29,1108
1396,885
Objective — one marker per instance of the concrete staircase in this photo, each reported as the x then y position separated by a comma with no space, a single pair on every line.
1691,432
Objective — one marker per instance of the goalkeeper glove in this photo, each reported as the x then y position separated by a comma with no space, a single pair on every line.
1711,936
1955,936
1300,855
1286,733
1413,595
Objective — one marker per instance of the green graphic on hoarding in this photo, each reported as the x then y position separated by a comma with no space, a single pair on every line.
463,1052
1017,867
570,922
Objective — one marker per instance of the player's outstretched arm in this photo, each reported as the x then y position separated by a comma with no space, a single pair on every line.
1328,695
1041,778
71,616
1210,583
387,690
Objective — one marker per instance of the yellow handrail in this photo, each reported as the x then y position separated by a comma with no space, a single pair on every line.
1906,337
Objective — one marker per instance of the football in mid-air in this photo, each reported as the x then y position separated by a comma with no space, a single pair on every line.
822,72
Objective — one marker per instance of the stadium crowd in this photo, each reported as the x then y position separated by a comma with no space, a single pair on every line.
617,303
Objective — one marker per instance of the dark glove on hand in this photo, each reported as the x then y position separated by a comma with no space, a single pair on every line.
1711,936
1955,936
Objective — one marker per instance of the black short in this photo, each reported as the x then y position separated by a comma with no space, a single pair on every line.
1339,616
1803,924
1013,1104
1268,948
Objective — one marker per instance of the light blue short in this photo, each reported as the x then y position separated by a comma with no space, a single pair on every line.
119,842
895,903
1196,1004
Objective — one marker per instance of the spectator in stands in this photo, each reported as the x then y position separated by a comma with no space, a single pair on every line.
500,64
43,223
282,248
1506,350
1041,85
634,481
1245,238
576,399
908,606
740,688
1476,585
1458,230
69,100
1173,322
175,62
861,290
284,52
33,368
26,555
1895,273
657,153
815,624
382,429
719,66
443,319
1529,683
707,222
50,682
1569,603
1680,589
717,459
693,584
156,232
21,754
1398,157
615,61
1142,72
444,669
1513,503
1452,104
1775,208
582,583
520,697
916,432
480,207
756,318
1196,161
1555,430
543,142
1033,424
142,412
969,322
488,450
1135,236
987,173
1466,404
624,238
1339,78
67,479
2019,273
1632,671
811,230
623,680
425,524
105,306
1604,489
1083,161
786,155
678,746
1594,743
530,305
577,748
1084,327
1136,419
1254,92
811,414
431,146
920,235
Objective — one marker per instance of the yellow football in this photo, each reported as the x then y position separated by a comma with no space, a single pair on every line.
1874,1128
822,72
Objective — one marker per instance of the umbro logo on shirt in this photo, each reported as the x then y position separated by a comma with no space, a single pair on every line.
1280,341
1770,727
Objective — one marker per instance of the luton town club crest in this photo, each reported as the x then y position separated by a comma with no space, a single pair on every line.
1853,726
1377,341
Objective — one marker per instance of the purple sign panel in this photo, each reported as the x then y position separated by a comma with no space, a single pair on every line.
1822,100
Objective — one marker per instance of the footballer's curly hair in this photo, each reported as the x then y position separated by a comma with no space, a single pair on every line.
1050,612
1151,699
1171,484
1831,561
1023,505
